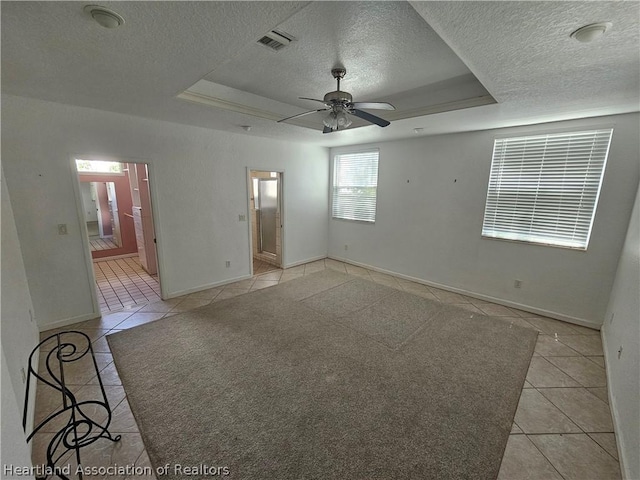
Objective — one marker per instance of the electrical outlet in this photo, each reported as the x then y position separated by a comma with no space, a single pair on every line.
62,229
620,352
517,284
242,218
346,247
227,263
24,375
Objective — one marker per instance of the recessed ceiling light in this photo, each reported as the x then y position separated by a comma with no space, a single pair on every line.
589,33
104,16
418,130
246,128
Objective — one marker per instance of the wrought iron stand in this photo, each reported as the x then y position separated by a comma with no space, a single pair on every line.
62,349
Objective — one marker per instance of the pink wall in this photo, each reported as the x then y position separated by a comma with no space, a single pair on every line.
123,194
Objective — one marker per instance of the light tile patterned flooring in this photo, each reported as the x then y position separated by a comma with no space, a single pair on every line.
123,284
260,266
98,243
562,427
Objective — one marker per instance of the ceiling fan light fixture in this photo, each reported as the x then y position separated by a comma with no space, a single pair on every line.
104,16
330,121
589,33
337,120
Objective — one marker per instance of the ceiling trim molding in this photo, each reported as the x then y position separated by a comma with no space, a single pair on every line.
440,108
225,105
215,102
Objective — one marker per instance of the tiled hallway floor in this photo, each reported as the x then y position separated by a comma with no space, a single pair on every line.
97,243
562,427
123,283
262,267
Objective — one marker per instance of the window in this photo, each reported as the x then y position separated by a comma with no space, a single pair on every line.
544,189
98,166
355,184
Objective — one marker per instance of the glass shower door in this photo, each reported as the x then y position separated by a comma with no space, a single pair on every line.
268,205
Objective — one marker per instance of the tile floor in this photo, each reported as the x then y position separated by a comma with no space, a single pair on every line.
97,243
123,284
262,267
562,427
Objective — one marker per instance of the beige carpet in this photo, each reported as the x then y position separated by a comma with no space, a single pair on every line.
326,377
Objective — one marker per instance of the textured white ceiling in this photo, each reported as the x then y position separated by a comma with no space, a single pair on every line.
389,51
523,53
520,51
54,51
386,47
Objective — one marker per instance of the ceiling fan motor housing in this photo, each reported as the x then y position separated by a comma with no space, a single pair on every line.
338,97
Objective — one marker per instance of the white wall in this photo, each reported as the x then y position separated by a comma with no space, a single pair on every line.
18,336
88,204
198,178
15,451
431,196
621,328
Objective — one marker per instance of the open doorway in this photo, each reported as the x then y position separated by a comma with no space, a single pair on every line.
116,205
266,220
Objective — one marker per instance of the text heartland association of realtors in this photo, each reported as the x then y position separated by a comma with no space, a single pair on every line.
115,470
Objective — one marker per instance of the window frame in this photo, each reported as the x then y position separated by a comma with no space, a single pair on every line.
120,173
354,151
596,197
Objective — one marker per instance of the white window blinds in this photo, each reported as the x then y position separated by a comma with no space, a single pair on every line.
355,183
544,188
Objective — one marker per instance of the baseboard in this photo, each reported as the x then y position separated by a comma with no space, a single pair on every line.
507,303
614,411
91,316
68,321
206,287
233,280
31,405
115,257
302,262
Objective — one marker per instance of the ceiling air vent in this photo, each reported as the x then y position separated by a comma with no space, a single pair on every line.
276,40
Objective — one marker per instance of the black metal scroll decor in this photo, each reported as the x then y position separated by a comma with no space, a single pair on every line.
74,420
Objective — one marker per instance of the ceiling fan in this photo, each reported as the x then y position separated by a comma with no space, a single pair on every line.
340,105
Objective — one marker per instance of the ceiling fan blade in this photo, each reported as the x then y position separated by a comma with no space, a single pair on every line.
326,129
312,99
303,114
373,105
370,118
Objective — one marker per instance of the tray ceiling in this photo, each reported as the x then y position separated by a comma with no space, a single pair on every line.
440,63
389,51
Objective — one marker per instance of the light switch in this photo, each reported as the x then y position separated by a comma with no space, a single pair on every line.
62,229
242,218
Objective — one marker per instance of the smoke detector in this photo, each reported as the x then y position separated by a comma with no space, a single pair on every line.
104,16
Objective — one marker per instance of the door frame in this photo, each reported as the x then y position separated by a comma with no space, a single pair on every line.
283,213
84,233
